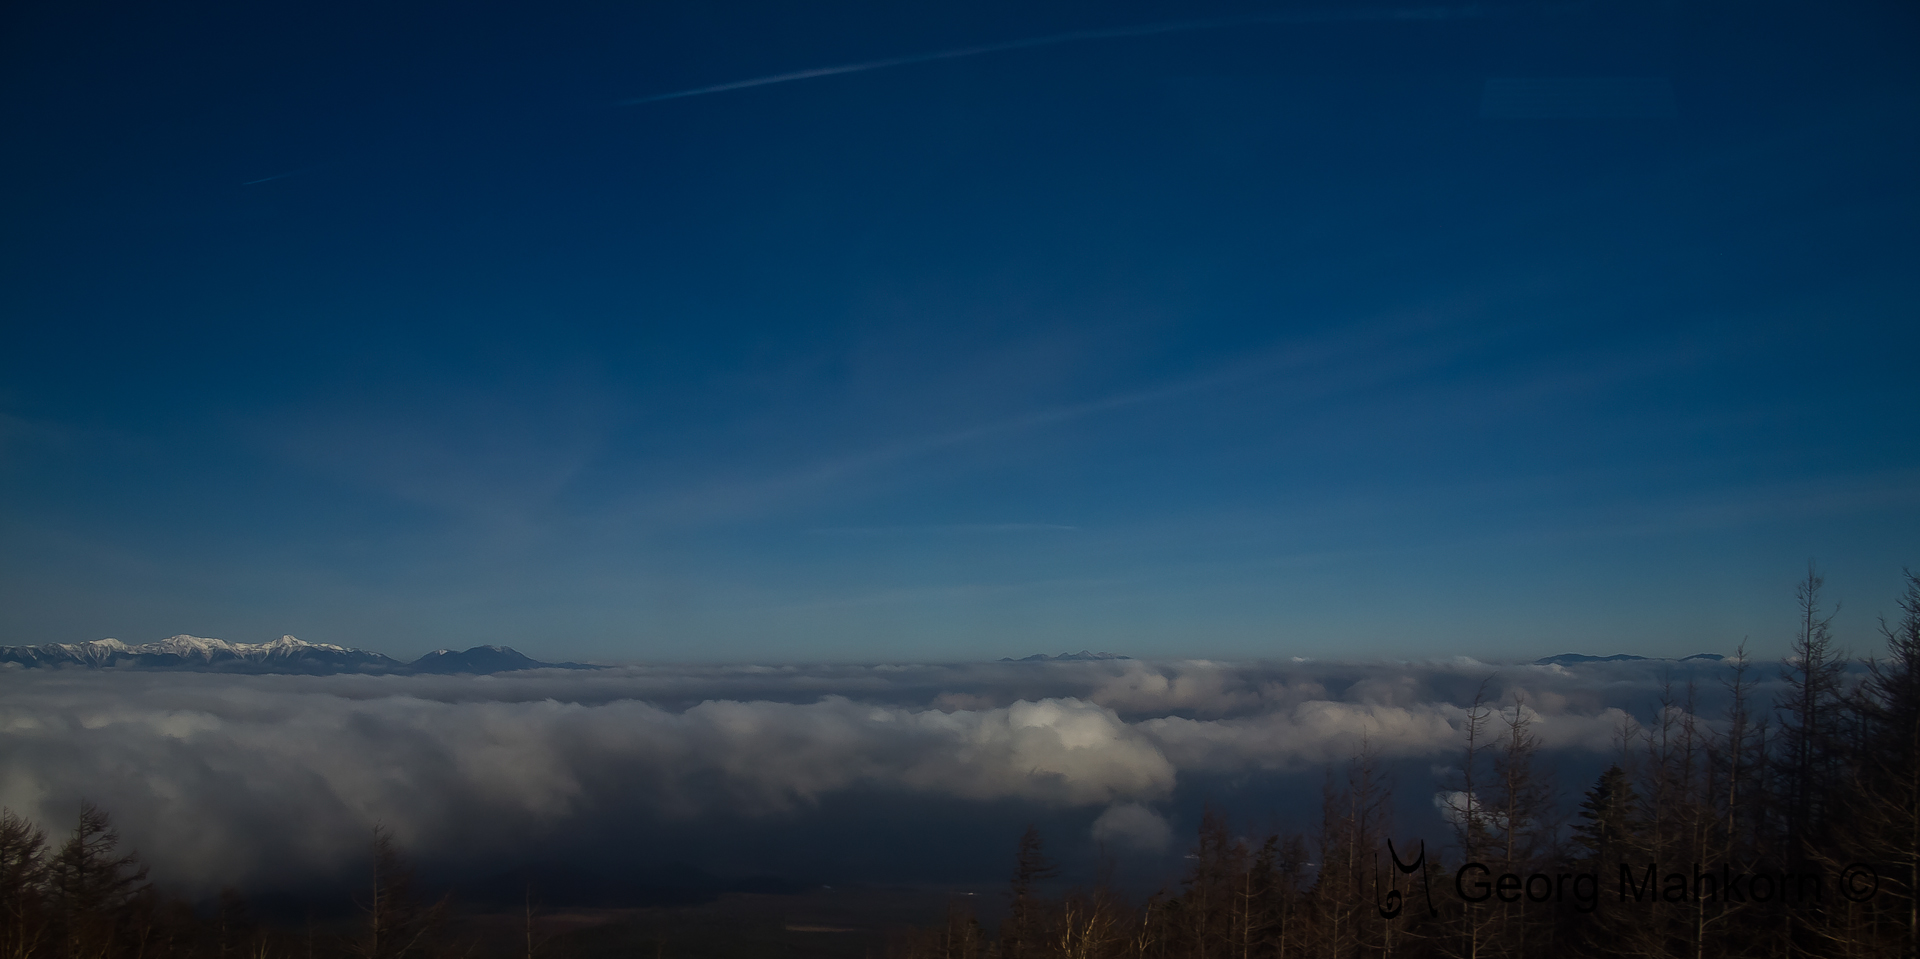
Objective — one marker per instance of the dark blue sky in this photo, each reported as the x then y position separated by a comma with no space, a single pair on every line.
398,325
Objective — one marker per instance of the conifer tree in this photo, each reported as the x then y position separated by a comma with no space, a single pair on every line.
23,873
1275,880
1879,822
1606,818
1473,832
1522,810
1738,802
398,925
1021,935
1214,896
90,887
1809,724
1355,819
1738,764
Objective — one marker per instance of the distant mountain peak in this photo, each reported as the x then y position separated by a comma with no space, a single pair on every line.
1574,659
284,655
1081,656
481,660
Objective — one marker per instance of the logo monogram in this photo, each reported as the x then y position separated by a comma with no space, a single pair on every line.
1395,902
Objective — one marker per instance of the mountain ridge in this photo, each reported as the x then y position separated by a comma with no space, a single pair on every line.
1081,656
187,653
1574,659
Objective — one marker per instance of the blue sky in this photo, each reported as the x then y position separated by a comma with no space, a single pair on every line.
402,326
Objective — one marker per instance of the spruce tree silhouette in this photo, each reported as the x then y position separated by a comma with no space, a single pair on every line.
1021,934
91,886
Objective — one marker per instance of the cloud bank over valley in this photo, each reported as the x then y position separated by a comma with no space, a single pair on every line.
896,772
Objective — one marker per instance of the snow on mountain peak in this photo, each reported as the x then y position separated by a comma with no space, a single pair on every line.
286,654
292,643
184,644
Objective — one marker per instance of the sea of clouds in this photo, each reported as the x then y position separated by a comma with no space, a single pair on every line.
883,771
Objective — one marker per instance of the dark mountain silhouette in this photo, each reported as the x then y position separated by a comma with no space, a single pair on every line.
1573,659
1081,656
482,660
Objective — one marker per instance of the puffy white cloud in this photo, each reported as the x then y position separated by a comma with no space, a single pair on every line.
1134,826
1311,733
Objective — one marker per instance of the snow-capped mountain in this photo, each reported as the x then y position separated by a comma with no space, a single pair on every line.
283,655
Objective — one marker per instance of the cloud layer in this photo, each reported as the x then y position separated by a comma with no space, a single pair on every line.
274,780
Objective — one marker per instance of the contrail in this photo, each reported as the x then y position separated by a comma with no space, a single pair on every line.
1142,30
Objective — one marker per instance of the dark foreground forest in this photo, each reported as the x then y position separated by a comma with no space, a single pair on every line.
1788,827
